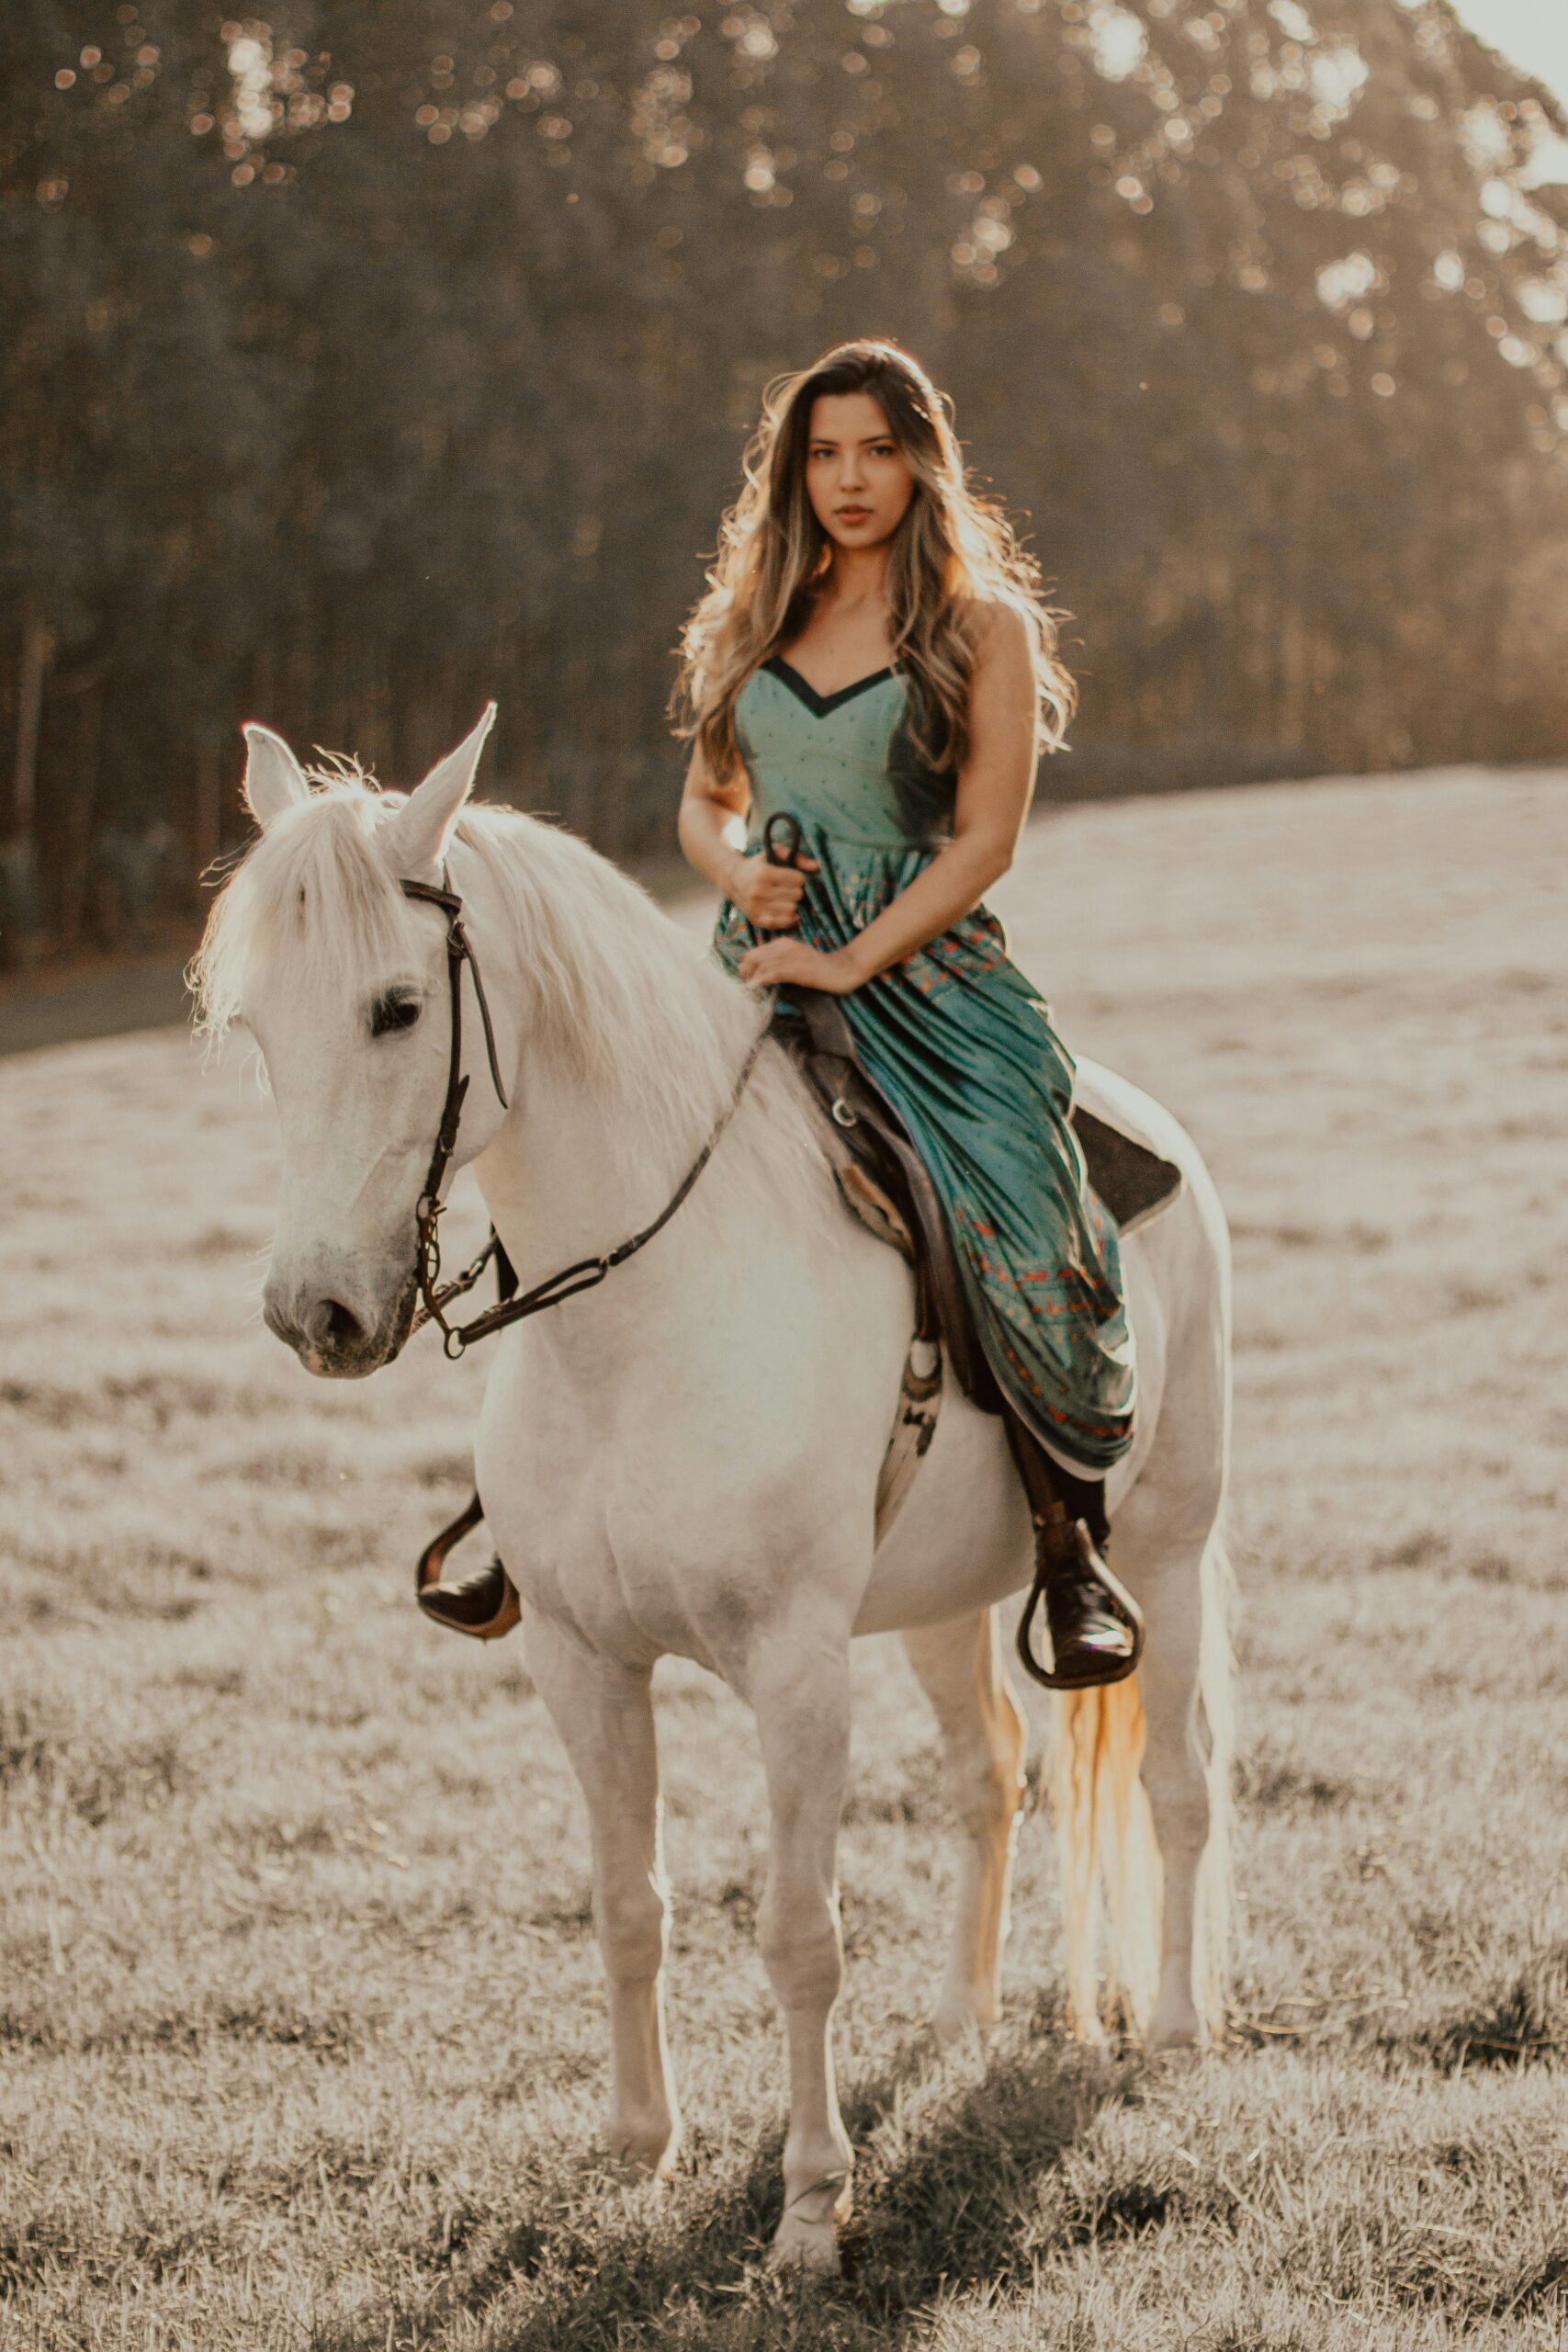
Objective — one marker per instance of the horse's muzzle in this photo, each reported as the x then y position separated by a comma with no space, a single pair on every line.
335,1340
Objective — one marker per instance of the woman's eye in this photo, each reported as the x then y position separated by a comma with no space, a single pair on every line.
390,1013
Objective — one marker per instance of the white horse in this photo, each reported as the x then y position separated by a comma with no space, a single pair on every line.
684,1459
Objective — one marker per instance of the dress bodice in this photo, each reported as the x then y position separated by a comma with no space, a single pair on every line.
844,763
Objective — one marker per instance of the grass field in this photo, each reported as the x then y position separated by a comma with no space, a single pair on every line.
301,2029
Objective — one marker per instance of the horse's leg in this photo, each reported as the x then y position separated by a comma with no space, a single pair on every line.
961,1673
1164,1552
797,1681
604,1715
1176,1777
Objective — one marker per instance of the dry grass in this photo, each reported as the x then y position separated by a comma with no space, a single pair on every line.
301,2031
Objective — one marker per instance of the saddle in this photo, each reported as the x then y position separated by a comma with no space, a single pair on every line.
886,1184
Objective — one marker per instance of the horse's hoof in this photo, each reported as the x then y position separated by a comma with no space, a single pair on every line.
1174,2036
807,2237
1175,2024
643,2153
809,2247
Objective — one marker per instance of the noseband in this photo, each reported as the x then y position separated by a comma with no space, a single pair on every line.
436,1297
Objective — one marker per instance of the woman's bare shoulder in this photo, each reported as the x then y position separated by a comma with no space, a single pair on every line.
996,631
992,625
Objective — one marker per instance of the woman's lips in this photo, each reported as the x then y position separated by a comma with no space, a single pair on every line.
854,513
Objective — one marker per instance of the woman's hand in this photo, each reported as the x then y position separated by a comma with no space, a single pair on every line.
769,895
779,962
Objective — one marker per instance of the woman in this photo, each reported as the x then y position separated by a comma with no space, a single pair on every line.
874,657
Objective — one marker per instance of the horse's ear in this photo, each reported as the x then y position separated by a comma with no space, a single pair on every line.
417,836
274,778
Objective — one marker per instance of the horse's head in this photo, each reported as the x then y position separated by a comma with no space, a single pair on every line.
343,981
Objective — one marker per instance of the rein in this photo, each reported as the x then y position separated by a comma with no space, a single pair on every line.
587,1272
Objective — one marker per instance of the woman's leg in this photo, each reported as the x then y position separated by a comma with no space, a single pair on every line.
1084,1499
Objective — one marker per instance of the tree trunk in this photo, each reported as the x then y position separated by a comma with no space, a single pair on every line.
38,651
18,864
80,816
207,800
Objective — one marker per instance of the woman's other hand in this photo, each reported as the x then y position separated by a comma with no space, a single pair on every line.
769,895
778,963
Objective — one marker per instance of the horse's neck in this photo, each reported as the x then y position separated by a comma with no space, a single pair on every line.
563,1179
576,1169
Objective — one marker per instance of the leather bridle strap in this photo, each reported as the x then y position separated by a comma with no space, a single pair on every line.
458,953
587,1272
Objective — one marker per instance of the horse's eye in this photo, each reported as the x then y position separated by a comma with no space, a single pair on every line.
390,1013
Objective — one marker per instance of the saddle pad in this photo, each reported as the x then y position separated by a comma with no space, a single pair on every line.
1133,1182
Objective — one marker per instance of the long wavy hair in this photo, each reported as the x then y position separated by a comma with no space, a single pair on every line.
952,547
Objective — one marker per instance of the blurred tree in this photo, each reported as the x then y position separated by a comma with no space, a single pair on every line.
367,361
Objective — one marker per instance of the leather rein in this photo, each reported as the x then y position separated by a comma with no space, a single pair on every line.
436,1297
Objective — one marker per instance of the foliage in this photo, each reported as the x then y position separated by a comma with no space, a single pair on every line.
365,361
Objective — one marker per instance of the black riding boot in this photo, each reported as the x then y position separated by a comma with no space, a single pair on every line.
484,1604
1096,1626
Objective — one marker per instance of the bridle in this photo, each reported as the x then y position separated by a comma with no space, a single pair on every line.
435,1298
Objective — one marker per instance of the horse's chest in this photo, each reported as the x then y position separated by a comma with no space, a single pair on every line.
662,1520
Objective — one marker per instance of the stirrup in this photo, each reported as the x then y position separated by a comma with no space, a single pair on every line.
1122,1606
484,1605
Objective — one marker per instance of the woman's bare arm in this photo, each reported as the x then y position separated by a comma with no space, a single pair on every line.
768,895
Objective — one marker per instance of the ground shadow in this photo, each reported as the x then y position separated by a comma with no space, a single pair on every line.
947,2178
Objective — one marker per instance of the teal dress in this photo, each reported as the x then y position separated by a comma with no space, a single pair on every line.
961,1044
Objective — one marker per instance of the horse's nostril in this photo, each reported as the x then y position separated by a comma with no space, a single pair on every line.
335,1326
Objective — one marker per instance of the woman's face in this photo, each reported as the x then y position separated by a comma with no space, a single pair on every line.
857,478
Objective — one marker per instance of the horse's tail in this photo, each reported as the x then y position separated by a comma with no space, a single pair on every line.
1110,1873
1110,1862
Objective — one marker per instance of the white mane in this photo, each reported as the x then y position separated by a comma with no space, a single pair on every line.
617,993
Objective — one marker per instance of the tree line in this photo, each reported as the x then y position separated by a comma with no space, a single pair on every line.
367,360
